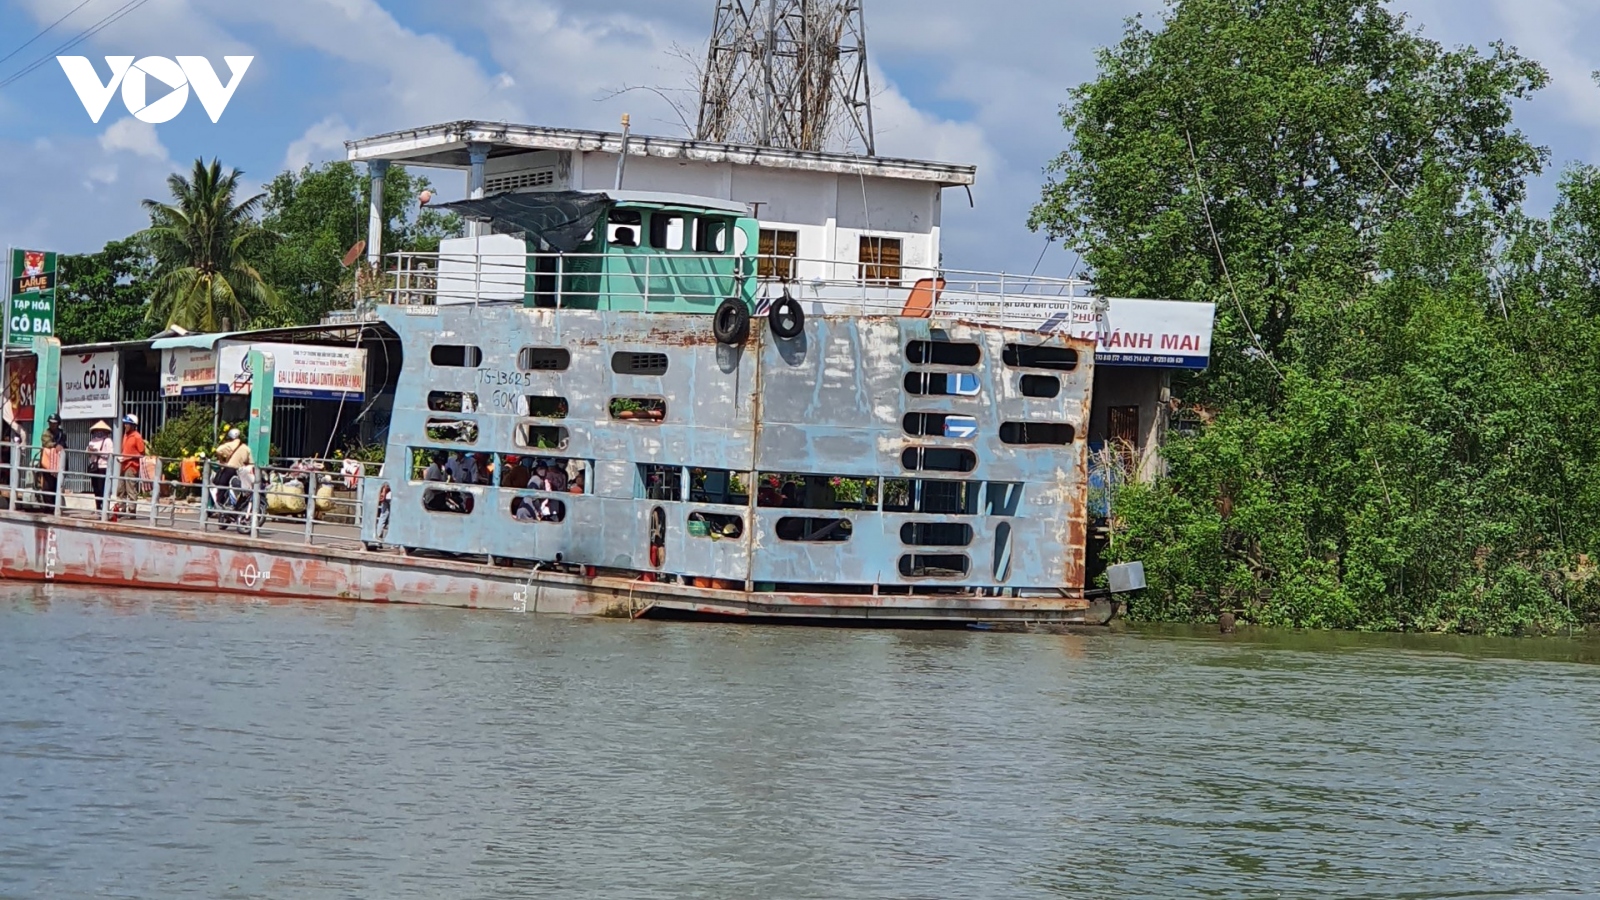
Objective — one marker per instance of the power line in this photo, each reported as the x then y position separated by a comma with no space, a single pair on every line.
47,30
90,32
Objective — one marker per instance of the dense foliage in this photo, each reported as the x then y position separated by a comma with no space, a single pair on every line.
319,213
104,296
1399,422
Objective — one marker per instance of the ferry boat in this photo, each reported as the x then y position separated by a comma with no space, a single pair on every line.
633,402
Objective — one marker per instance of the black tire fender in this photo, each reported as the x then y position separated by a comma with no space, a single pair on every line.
730,324
786,318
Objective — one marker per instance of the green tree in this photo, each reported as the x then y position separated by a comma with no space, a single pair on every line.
1404,439
206,245
104,296
1292,128
320,212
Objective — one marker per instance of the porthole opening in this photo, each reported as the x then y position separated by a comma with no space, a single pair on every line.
638,409
452,401
456,431
935,565
715,526
939,459
940,425
1040,356
1040,386
935,534
1053,433
942,353
456,356
544,359
639,363
537,509
809,530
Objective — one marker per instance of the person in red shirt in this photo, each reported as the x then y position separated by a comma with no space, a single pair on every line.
133,449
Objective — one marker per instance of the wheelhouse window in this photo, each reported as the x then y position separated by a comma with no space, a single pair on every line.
776,254
667,230
880,260
711,235
622,228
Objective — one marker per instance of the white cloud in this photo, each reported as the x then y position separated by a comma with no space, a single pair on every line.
134,136
322,141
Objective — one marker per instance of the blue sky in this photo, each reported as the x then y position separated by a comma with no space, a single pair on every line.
957,81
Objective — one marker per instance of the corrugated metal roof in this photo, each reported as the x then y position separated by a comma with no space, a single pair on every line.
207,341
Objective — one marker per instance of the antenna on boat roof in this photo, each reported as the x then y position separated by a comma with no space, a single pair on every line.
789,74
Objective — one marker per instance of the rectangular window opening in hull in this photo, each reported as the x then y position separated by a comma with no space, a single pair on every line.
787,490
722,486
660,482
544,473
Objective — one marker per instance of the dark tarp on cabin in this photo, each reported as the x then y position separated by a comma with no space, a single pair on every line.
562,219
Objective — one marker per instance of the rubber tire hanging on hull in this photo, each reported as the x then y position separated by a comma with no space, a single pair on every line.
786,318
730,324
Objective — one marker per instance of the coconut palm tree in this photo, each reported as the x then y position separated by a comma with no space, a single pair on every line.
203,243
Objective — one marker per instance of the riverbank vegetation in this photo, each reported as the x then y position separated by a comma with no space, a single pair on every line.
1400,428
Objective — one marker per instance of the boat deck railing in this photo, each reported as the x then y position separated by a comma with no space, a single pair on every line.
152,495
669,280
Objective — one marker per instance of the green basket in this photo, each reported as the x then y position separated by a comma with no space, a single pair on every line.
697,528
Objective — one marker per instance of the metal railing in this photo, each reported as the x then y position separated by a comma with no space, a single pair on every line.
284,504
828,286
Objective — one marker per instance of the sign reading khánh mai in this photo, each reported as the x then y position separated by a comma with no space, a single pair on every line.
33,296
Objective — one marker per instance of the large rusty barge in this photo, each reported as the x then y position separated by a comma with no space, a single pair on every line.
629,403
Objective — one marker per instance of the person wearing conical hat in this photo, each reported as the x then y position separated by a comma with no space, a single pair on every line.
99,450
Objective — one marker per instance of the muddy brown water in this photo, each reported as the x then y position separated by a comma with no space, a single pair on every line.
157,746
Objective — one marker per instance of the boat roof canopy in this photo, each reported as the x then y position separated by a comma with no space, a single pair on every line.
447,145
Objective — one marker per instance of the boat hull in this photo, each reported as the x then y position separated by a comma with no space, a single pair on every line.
40,548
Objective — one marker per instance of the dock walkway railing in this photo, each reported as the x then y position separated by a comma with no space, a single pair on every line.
283,506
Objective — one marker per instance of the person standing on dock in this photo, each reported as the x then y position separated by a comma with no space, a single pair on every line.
133,449
99,450
52,456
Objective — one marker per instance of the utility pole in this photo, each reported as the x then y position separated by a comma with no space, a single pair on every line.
790,74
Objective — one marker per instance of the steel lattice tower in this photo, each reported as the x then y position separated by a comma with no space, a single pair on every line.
789,74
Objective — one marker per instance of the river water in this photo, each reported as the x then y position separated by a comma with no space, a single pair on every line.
159,746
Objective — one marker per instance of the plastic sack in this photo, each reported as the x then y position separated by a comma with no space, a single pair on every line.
286,499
